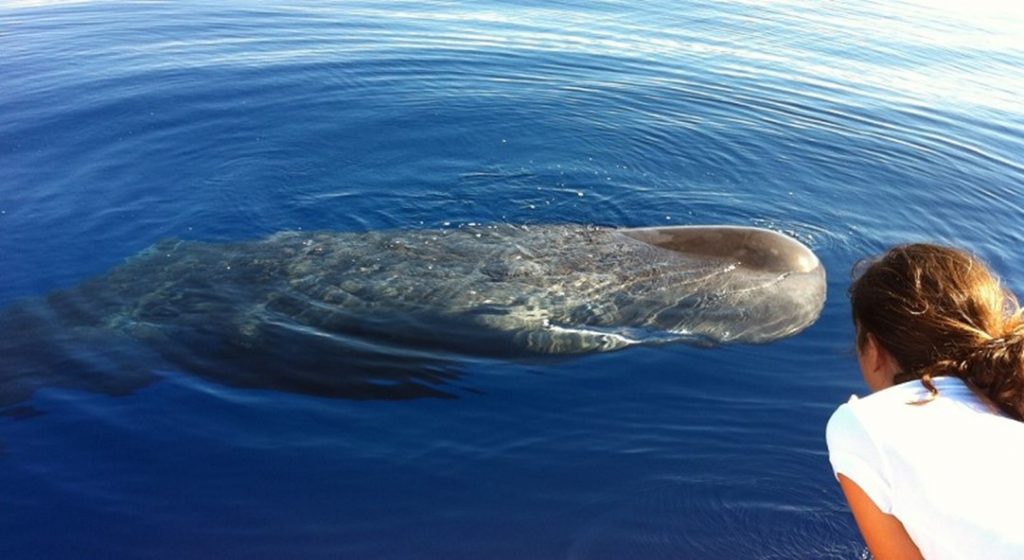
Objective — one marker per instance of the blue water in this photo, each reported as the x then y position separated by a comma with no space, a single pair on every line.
852,126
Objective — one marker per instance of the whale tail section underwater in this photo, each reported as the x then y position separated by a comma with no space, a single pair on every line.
389,314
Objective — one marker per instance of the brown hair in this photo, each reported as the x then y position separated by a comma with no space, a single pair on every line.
940,311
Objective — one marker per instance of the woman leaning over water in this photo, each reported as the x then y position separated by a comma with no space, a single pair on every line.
932,463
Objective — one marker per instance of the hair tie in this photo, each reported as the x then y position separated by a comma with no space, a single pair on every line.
1014,335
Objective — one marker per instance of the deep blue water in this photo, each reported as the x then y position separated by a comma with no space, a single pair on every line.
852,126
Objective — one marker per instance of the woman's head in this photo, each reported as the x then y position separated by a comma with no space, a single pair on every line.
939,311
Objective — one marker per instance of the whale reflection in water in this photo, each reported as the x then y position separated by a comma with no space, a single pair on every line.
387,314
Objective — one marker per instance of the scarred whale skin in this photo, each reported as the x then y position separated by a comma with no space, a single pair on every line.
384,314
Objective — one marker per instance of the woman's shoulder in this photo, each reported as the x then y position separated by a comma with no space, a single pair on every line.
902,414
895,399
904,411
887,402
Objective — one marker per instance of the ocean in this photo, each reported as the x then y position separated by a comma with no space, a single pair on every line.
850,126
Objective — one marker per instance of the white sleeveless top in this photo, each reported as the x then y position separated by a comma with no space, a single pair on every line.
952,470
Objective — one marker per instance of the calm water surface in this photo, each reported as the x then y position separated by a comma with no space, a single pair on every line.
851,126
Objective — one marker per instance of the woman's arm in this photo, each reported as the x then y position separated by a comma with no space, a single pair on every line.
884,534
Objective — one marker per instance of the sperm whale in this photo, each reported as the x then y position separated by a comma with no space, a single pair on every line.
382,314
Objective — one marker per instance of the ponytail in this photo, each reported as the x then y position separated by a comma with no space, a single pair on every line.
994,367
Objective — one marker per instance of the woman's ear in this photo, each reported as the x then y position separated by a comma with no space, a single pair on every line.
877,364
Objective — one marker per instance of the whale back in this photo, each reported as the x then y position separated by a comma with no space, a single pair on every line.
754,248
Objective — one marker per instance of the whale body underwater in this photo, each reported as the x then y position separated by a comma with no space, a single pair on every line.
390,314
